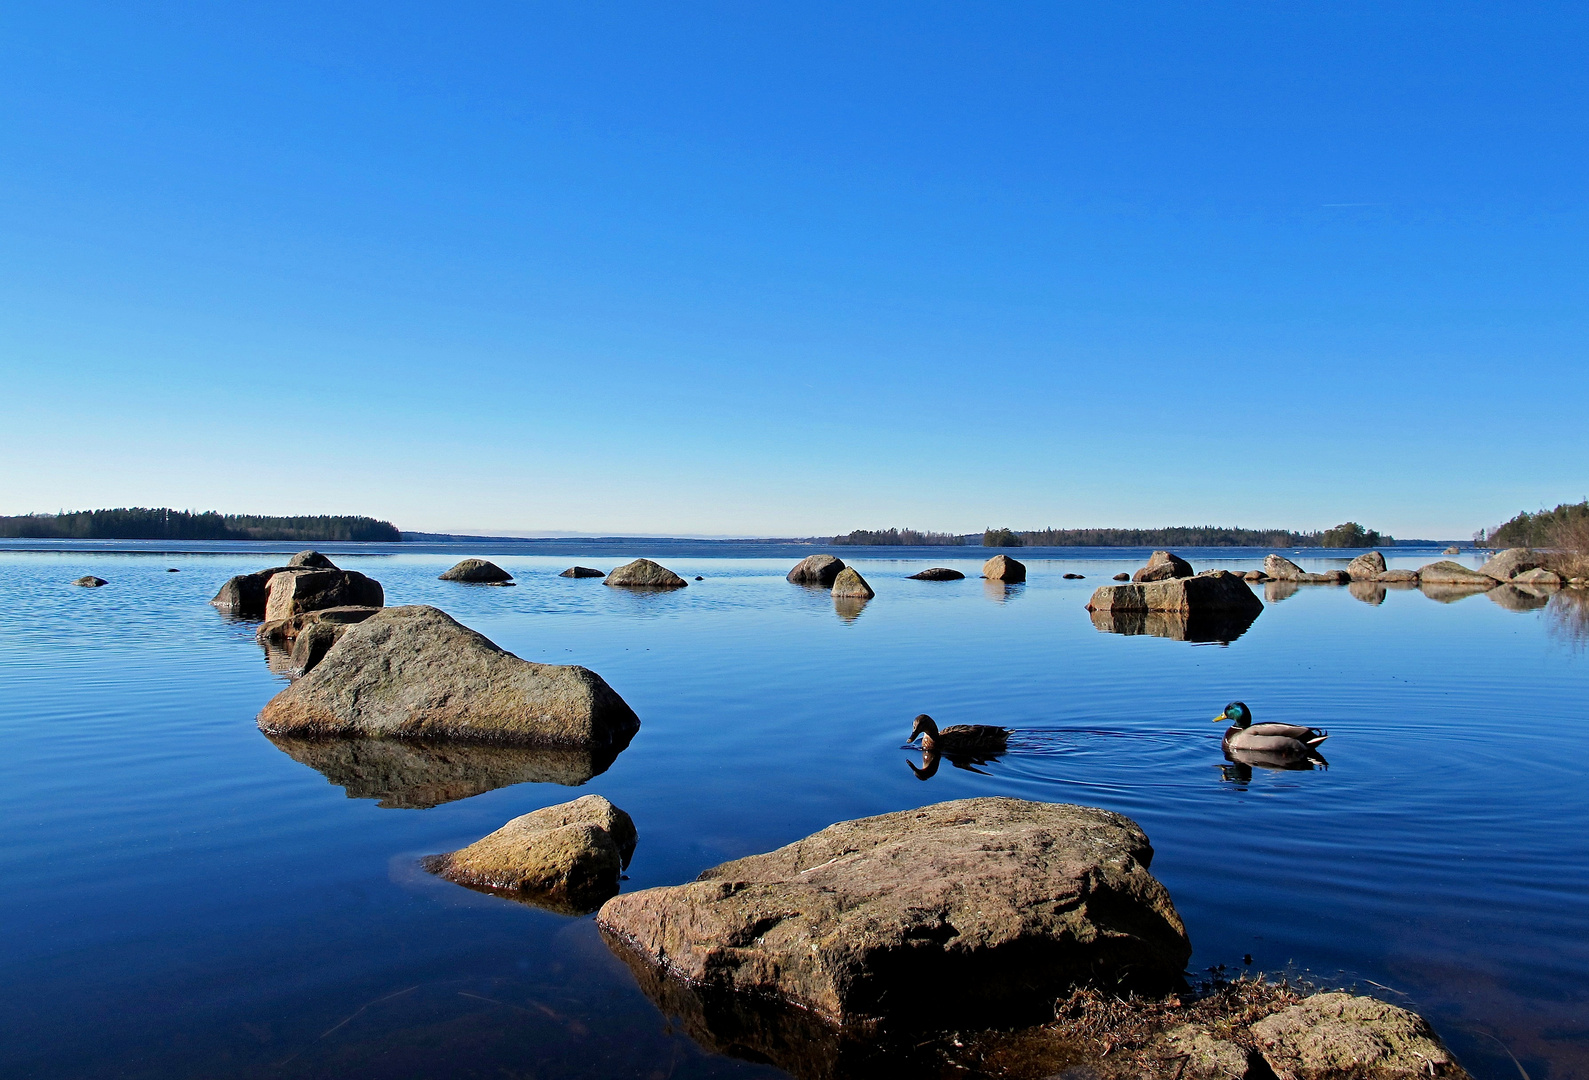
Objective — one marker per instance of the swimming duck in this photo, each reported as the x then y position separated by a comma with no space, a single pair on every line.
959,738
1285,740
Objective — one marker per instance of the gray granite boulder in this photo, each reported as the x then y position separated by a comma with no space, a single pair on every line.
1162,566
1398,576
645,574
311,560
1212,590
1506,565
1005,569
965,907
1331,1036
1366,567
1447,572
939,573
820,570
1538,577
291,592
415,672
850,585
476,572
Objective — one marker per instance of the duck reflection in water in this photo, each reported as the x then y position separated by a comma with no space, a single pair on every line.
1241,763
931,758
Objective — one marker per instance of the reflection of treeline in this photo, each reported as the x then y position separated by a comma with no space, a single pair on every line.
900,538
1562,527
140,523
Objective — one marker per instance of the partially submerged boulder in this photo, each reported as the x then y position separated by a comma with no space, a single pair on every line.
476,572
1452,550
850,585
1538,577
309,635
415,672
311,560
1447,572
938,573
291,592
1280,568
1398,576
1003,568
581,571
1343,1035
1162,566
645,574
818,570
1366,567
1506,565
1122,577
245,594
1255,575
89,581
979,906
1212,590
576,850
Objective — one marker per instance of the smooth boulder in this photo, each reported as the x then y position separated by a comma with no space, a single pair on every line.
1538,576
1506,565
89,581
1366,567
850,585
1447,572
310,560
1212,590
1003,568
292,592
1342,1035
581,571
1162,566
645,574
818,570
476,572
938,573
415,672
576,849
978,907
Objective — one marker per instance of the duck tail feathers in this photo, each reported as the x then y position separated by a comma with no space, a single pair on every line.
1319,738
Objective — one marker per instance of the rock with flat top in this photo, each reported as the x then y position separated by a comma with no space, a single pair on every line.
477,572
311,560
1162,566
576,849
1398,576
645,574
850,585
245,594
581,571
1447,572
1366,567
291,592
1212,590
820,570
1003,568
1340,1036
1538,576
939,573
967,908
1506,565
415,672
89,581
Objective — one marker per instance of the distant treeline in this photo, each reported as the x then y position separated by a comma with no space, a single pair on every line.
1562,527
899,538
140,523
1348,535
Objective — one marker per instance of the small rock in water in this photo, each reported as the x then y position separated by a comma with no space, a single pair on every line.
1122,577
89,581
698,577
172,570
938,573
1075,577
1163,566
850,585
645,574
1003,568
581,571
477,572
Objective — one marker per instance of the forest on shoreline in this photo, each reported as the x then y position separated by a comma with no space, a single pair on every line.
145,523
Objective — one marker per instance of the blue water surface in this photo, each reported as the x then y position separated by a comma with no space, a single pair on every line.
184,899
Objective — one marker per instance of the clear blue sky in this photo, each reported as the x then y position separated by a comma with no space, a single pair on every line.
792,269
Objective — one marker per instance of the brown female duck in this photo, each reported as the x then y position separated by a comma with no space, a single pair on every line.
959,738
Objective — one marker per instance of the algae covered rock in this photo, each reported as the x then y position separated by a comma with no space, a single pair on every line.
645,574
1331,1036
476,572
818,570
850,585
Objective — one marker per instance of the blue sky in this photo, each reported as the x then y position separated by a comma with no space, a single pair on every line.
757,269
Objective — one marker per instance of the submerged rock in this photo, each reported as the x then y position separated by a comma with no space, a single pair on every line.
850,585
816,570
292,592
1212,590
939,573
477,572
415,774
1162,566
89,581
1454,573
1506,565
982,907
574,851
645,574
581,571
311,560
1003,568
1342,1035
1366,567
413,671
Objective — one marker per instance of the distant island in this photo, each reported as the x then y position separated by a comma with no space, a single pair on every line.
142,523
1347,535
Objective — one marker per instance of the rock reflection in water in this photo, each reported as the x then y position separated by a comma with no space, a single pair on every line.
1567,617
848,608
574,903
1369,592
1202,626
1519,597
1450,594
414,774
930,761
1001,592
1243,762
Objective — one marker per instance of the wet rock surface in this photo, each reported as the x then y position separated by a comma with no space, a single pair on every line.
645,574
476,572
1162,566
850,585
984,906
818,570
415,672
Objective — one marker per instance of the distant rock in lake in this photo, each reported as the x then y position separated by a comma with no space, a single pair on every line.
1282,569
938,573
89,581
1366,567
1122,577
850,585
645,574
477,572
1452,550
820,570
1073,577
581,571
1212,590
1005,569
1162,566
415,672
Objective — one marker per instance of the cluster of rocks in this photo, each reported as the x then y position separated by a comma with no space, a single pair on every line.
847,584
309,582
1169,589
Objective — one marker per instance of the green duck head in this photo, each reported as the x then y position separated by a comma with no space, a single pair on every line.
1237,713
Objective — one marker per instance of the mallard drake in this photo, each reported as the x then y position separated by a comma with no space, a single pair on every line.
1283,740
959,738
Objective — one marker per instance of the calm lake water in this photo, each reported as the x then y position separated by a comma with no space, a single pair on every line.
184,899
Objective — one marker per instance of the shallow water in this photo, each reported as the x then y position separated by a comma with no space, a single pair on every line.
183,898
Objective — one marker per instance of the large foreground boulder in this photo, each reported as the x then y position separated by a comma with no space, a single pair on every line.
978,906
1506,565
1342,1035
1212,590
477,572
1366,567
415,672
816,570
1447,572
292,592
1003,568
575,851
1162,566
645,574
850,585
